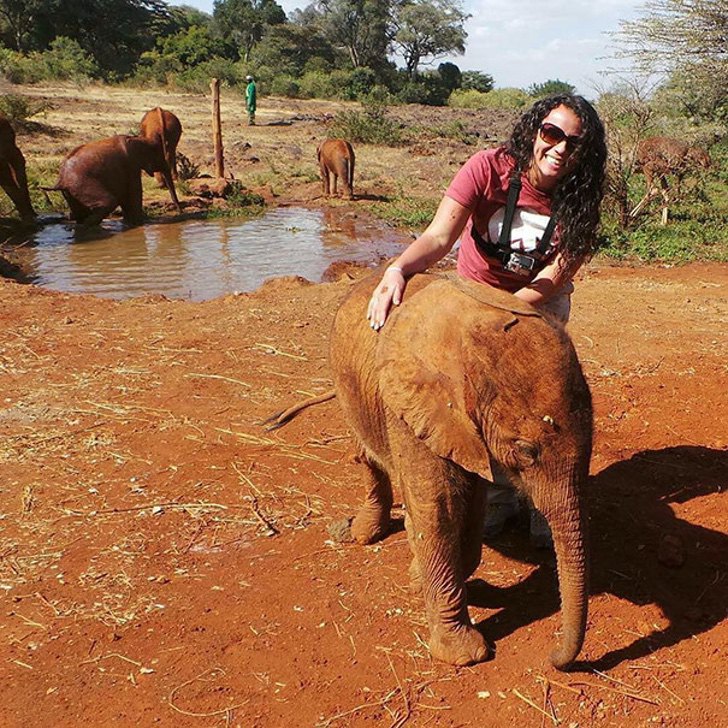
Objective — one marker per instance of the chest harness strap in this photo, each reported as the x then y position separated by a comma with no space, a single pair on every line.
520,263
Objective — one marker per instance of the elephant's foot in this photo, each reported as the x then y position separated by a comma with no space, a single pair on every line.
416,584
369,526
461,644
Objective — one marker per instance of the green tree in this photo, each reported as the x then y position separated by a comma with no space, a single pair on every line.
549,88
288,48
191,47
428,29
113,32
688,41
361,27
451,76
244,22
476,81
18,18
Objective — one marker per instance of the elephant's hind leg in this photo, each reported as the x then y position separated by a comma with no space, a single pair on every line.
372,522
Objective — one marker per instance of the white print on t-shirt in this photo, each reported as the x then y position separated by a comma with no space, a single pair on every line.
526,231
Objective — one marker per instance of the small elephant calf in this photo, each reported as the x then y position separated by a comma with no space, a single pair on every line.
336,157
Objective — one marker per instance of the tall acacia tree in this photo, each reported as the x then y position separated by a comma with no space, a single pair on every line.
359,26
425,30
687,39
244,22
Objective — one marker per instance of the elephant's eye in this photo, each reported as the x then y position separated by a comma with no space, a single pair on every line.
525,453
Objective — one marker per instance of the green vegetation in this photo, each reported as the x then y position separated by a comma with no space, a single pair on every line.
370,126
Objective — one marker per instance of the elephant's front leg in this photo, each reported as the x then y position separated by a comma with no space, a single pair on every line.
436,495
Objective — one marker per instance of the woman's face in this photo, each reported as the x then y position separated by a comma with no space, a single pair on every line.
553,151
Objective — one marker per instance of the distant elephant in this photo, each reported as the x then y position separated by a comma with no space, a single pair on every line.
100,176
165,128
336,158
13,178
460,375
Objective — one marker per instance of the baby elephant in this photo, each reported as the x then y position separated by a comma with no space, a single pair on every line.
12,171
464,375
100,176
165,128
336,157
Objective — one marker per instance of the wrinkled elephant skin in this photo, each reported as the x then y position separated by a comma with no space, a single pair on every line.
461,374
13,177
336,160
98,177
163,127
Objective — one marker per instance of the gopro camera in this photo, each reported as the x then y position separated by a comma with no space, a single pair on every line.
520,264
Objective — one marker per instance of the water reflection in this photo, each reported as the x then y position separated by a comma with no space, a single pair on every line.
202,259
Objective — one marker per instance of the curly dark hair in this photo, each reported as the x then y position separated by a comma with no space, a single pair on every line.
578,196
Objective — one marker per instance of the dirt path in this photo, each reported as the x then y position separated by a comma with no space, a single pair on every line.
166,561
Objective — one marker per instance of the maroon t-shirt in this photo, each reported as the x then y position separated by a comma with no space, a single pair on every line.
481,185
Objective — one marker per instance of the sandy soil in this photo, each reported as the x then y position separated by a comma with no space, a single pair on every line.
166,561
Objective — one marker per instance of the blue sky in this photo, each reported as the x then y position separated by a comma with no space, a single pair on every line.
520,42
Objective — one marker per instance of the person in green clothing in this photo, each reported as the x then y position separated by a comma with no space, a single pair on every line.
250,100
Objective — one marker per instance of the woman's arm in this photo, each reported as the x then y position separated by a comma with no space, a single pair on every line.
548,281
434,243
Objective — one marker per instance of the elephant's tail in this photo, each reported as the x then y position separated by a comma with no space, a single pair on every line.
281,418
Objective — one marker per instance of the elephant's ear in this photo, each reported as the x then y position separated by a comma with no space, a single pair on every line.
424,381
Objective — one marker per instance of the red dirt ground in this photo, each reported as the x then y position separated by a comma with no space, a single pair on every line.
166,561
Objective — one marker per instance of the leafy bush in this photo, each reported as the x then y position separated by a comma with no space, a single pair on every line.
370,126
197,78
501,98
335,85
549,88
285,85
20,69
65,60
428,89
476,81
19,108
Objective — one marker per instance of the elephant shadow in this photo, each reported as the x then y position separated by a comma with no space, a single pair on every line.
637,546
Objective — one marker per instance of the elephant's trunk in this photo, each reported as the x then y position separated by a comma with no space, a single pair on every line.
564,510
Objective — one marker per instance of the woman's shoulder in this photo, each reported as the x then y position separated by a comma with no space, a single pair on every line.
497,159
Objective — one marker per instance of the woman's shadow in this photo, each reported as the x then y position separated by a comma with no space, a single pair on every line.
637,546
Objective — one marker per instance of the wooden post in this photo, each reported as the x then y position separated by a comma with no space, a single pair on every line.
217,128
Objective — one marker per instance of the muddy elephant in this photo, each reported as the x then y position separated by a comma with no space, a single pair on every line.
462,376
336,159
165,128
100,176
13,178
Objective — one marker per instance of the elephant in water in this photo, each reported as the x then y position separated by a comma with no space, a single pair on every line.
165,128
460,376
12,171
98,177
336,159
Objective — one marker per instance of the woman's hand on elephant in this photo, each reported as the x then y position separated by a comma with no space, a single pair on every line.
387,293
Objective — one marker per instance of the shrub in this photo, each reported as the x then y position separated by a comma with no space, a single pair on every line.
285,85
65,60
501,98
370,126
19,108
20,69
197,78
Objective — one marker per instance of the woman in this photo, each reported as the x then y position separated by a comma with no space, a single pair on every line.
553,168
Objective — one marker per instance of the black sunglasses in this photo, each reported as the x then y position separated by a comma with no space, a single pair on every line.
554,135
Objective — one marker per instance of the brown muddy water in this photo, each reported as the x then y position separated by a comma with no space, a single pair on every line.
202,259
